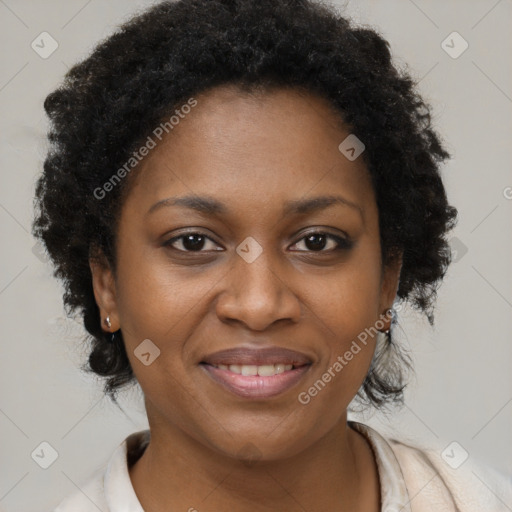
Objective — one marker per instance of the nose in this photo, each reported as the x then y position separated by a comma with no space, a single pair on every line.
257,295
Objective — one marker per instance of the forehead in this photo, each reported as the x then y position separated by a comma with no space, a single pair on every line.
273,145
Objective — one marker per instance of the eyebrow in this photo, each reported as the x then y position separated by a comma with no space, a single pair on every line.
210,206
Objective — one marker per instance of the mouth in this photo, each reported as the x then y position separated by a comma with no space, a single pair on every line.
257,382
265,370
257,374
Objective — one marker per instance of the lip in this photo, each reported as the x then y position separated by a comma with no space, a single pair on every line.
256,386
257,356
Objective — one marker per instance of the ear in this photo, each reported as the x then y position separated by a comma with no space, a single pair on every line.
103,284
389,284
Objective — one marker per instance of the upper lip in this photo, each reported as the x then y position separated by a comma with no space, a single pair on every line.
257,356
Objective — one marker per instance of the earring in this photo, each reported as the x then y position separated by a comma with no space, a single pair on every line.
108,323
389,312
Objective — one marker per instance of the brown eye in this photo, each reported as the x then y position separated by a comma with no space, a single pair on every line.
190,242
318,241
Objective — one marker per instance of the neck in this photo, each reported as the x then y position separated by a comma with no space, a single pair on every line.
178,472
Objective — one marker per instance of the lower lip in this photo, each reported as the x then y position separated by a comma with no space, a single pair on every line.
255,386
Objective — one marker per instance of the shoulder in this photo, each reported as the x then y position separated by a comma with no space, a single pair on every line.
415,479
435,479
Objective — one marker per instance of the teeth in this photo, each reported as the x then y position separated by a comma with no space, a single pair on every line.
249,369
266,370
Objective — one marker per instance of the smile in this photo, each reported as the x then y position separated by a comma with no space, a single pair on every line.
265,370
256,381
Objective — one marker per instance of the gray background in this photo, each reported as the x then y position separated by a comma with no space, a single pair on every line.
462,391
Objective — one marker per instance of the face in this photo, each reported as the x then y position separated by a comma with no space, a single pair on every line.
248,239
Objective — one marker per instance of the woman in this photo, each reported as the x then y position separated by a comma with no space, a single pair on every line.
237,194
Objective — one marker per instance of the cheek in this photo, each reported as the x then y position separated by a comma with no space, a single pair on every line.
157,302
154,296
346,306
348,347
347,300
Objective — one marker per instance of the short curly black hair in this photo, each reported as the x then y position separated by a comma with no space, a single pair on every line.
111,101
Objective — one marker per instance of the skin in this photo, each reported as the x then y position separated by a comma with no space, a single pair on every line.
252,153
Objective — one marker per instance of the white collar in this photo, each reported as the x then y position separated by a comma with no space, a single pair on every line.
393,491
119,492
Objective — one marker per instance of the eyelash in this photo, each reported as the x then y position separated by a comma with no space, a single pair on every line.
342,243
